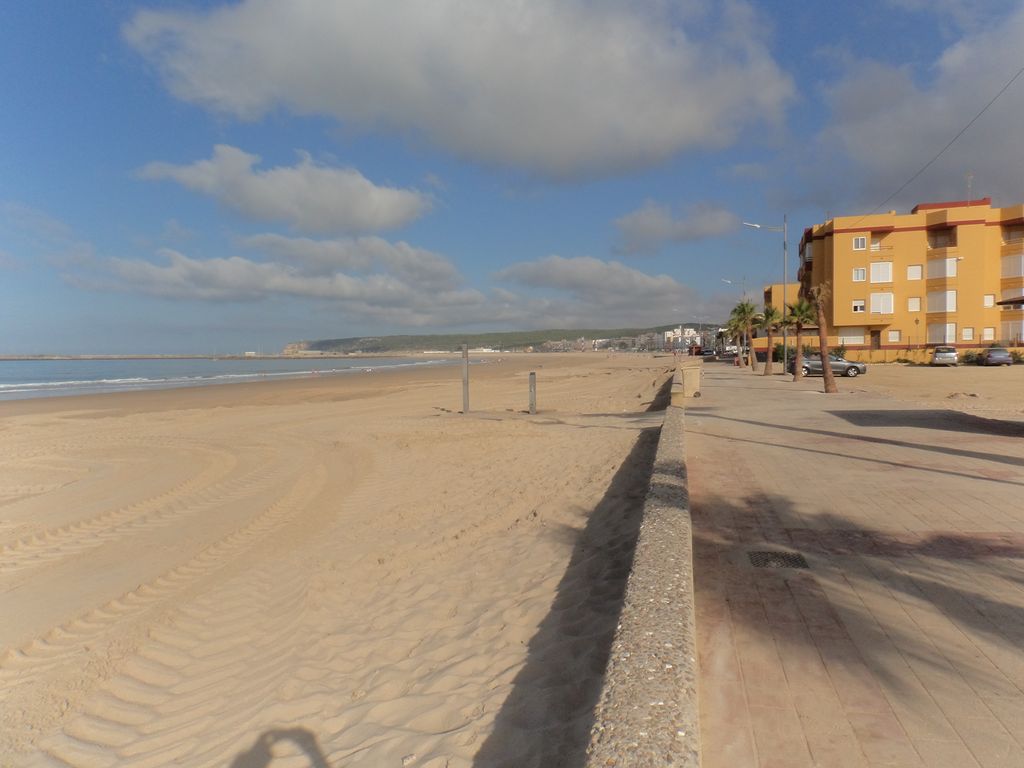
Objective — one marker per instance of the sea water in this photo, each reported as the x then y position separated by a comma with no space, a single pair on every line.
20,379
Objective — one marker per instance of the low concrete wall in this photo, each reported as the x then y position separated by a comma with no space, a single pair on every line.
648,714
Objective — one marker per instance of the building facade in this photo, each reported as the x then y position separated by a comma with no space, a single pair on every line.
906,282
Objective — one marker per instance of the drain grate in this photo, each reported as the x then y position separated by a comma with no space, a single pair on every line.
777,560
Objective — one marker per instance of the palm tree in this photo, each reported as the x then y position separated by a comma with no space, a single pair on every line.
735,330
744,314
819,295
769,321
801,313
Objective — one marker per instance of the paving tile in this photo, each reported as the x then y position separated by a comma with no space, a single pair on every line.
990,743
1010,712
830,737
945,754
718,659
780,738
901,644
883,740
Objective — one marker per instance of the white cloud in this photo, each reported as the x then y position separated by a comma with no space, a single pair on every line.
653,225
30,230
309,197
560,88
886,124
361,255
378,296
596,293
362,282
966,14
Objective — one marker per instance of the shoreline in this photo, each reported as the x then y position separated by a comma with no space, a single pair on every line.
325,356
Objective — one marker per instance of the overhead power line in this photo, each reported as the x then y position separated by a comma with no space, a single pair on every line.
942,151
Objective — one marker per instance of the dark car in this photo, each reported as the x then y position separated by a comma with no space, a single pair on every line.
812,366
995,356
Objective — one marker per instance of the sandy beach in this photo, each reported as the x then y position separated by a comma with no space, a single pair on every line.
996,392
338,570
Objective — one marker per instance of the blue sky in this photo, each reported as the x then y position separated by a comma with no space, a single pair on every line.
215,177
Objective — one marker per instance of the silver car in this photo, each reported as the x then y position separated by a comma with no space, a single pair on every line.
945,356
812,366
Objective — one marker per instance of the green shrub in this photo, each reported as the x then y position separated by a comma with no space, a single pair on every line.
777,355
1018,357
970,356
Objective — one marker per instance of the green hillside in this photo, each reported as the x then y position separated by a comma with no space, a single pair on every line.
453,342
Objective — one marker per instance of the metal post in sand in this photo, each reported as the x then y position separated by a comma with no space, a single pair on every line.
533,392
465,378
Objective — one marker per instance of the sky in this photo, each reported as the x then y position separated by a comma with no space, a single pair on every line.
217,177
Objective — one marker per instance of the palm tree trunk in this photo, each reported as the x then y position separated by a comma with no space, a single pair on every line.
826,368
751,360
798,357
768,358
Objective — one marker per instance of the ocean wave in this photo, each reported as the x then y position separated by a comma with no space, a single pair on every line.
40,387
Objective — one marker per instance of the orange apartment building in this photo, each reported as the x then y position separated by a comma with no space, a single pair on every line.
901,284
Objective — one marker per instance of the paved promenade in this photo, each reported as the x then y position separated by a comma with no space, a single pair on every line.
902,642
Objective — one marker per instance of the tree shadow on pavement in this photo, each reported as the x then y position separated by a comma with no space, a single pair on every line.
919,446
935,418
876,617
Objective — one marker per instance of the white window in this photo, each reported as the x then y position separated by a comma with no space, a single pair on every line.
851,335
881,303
988,334
881,272
967,334
859,274
941,333
858,305
914,304
942,268
894,336
914,272
990,300
860,243
942,301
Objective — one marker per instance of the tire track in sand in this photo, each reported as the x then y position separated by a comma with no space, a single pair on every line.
70,538
95,644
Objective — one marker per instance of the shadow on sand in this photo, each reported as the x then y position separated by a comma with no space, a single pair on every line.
547,717
261,755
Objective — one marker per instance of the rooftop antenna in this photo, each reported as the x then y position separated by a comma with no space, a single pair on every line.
970,181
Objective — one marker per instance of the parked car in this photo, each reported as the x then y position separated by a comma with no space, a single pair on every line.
812,366
995,356
945,356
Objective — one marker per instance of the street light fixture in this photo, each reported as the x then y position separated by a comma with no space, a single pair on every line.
743,285
785,280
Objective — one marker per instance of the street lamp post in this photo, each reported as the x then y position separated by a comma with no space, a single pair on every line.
785,280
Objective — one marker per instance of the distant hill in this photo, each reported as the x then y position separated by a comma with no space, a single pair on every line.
453,342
